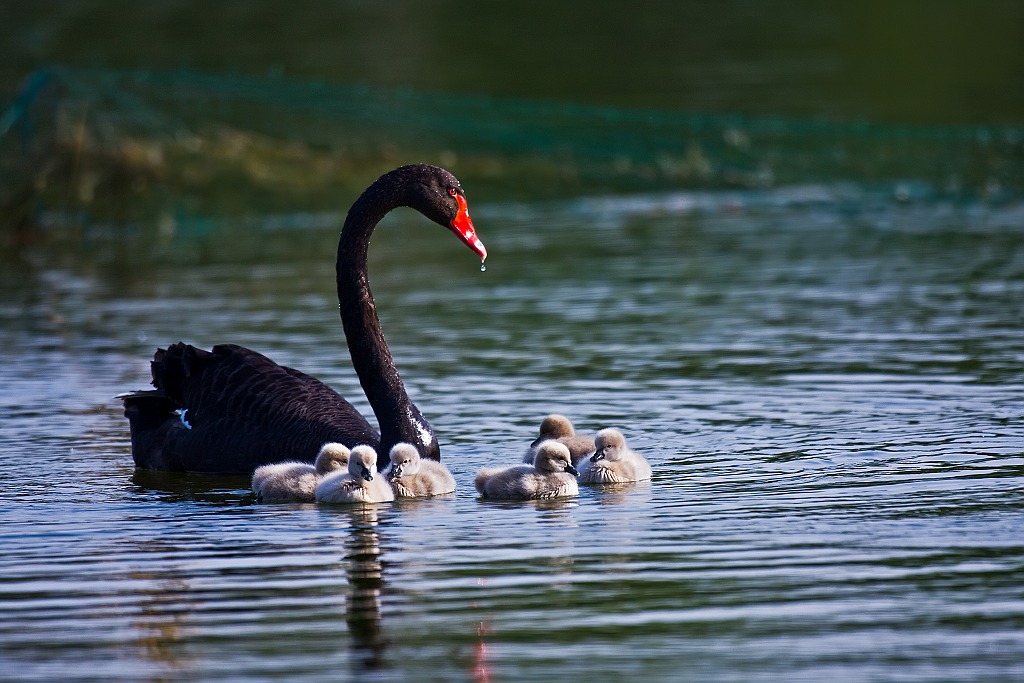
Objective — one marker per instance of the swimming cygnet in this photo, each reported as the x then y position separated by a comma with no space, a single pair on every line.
360,484
413,477
551,475
613,462
296,481
559,428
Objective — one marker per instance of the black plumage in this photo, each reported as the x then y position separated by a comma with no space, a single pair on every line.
231,409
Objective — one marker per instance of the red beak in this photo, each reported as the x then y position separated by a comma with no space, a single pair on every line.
463,228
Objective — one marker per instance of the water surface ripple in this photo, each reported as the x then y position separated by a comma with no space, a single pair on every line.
829,390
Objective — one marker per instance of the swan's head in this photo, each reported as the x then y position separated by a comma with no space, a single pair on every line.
438,195
405,460
332,456
362,463
553,457
610,443
554,426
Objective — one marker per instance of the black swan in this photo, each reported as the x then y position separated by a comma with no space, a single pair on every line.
230,410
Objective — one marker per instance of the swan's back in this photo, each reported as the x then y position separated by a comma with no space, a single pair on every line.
232,409
551,476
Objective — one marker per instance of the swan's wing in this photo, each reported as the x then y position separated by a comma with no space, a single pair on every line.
232,409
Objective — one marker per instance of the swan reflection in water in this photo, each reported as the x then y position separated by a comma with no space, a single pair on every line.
364,570
365,573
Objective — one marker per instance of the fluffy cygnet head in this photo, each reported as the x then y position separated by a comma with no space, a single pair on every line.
332,456
405,460
554,457
611,444
554,426
362,463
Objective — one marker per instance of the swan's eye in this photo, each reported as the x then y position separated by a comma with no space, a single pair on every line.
452,191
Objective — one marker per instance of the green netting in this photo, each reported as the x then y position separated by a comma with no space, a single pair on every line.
90,145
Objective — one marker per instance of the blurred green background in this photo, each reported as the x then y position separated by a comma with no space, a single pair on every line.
905,61
164,112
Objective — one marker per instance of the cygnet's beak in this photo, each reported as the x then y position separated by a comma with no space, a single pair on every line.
366,473
572,470
396,472
598,455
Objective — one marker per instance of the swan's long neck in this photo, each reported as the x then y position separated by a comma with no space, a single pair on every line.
397,416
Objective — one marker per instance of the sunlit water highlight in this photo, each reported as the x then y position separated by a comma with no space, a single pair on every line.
827,382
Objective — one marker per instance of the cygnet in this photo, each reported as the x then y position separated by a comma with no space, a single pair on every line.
559,428
297,481
413,477
551,475
360,484
613,462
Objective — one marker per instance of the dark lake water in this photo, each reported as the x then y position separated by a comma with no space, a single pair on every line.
828,380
